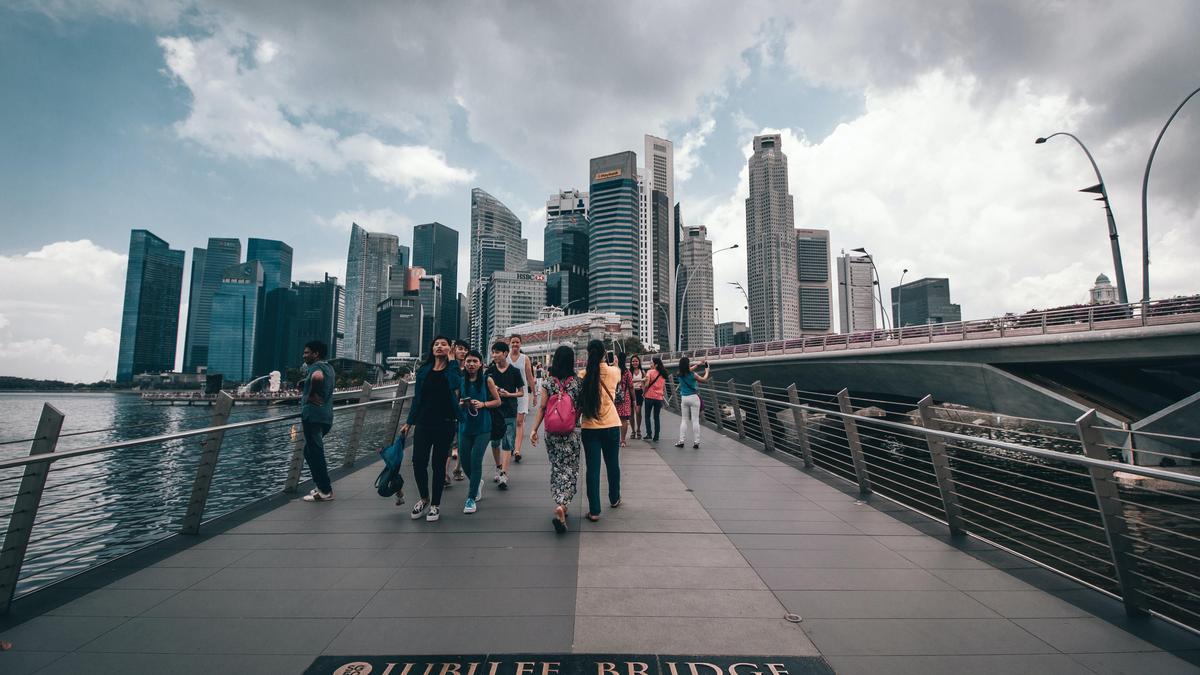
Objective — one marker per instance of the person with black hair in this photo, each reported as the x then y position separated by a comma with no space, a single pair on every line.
639,394
624,397
459,351
434,411
689,400
511,385
601,433
655,388
479,397
316,417
562,449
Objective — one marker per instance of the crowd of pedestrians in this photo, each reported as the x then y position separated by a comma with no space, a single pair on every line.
462,404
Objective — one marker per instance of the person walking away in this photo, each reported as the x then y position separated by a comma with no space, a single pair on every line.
559,397
479,397
689,401
601,427
655,389
525,367
639,396
316,417
460,355
510,385
434,411
624,397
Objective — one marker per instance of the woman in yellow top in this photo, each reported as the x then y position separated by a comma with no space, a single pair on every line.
601,428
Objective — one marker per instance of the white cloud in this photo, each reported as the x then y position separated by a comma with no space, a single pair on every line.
61,306
375,220
687,151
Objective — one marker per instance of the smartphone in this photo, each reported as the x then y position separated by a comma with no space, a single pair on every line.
609,357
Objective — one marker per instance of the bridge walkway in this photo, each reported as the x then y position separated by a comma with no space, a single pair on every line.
708,551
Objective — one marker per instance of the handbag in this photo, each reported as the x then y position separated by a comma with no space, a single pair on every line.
389,481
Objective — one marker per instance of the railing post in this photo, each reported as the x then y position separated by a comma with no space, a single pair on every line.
738,418
397,409
296,463
716,400
800,416
1091,317
941,467
764,417
1111,513
356,432
207,466
25,508
1043,323
1145,311
852,440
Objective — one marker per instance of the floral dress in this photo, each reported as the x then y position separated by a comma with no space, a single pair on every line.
624,396
563,450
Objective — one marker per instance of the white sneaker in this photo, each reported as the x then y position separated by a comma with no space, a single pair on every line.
469,507
433,515
504,481
496,478
479,493
318,496
418,509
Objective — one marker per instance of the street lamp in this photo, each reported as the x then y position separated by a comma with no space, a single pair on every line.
550,333
878,285
1119,268
1145,185
749,323
683,300
897,313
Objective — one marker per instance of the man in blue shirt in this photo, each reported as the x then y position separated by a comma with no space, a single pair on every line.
316,417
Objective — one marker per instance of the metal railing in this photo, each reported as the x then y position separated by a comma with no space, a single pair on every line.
1056,497
75,509
1063,320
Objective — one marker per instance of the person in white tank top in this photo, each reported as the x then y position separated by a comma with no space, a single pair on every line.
522,364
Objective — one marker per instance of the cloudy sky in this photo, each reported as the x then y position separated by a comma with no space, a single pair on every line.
909,129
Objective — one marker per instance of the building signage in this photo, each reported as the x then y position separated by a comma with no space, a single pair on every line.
569,664
530,276
605,175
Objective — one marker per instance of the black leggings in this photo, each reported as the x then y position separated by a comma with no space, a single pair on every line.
431,444
651,413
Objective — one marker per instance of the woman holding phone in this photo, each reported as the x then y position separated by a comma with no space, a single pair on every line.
479,397
601,426
654,390
689,400
434,412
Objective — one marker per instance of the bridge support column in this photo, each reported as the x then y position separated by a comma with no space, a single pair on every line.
800,416
941,467
738,418
1111,514
25,507
716,406
207,466
297,461
855,445
356,433
764,416
397,410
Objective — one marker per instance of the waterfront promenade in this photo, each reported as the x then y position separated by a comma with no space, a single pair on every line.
708,552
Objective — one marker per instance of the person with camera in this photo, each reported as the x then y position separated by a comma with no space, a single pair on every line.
479,398
601,433
434,412
689,399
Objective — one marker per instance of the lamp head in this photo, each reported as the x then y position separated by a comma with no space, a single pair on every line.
1039,141
904,271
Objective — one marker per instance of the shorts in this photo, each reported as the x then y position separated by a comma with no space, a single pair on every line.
641,397
523,405
508,441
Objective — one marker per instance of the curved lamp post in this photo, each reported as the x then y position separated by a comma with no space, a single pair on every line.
896,311
550,333
1145,185
878,286
749,324
683,299
1118,267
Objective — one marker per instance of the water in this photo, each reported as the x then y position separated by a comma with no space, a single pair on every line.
101,506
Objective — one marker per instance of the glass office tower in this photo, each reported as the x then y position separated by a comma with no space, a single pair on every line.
274,337
566,251
236,315
435,247
221,254
614,216
150,317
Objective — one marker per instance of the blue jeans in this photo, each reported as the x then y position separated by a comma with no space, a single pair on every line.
471,449
606,444
314,453
508,442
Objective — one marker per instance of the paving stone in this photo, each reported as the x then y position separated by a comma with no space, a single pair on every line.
1015,664
164,578
1084,635
945,560
910,637
113,602
1139,663
883,604
58,633
982,580
624,576
454,635
176,664
229,636
21,662
884,559
676,603
484,577
260,603
1028,604
833,579
675,635
454,602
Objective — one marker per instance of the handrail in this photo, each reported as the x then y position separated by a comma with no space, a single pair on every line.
121,445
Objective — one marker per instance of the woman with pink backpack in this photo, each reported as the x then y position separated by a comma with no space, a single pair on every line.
559,409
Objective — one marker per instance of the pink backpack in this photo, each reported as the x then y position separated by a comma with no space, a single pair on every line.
560,412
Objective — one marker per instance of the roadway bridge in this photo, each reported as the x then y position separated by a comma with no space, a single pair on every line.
771,550
1136,365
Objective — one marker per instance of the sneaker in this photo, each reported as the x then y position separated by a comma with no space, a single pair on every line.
459,475
517,457
479,493
433,515
318,496
496,478
503,480
469,507
447,482
679,444
400,498
418,509
695,446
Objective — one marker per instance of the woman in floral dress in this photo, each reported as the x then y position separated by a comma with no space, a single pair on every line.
624,397
563,451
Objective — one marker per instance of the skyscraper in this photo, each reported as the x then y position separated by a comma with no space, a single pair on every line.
512,298
496,246
856,293
399,327
318,312
566,251
613,212
435,247
771,244
732,333
221,254
369,261
274,337
924,301
814,282
150,317
662,240
696,289
429,293
237,311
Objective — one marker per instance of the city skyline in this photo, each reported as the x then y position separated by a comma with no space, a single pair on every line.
928,161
